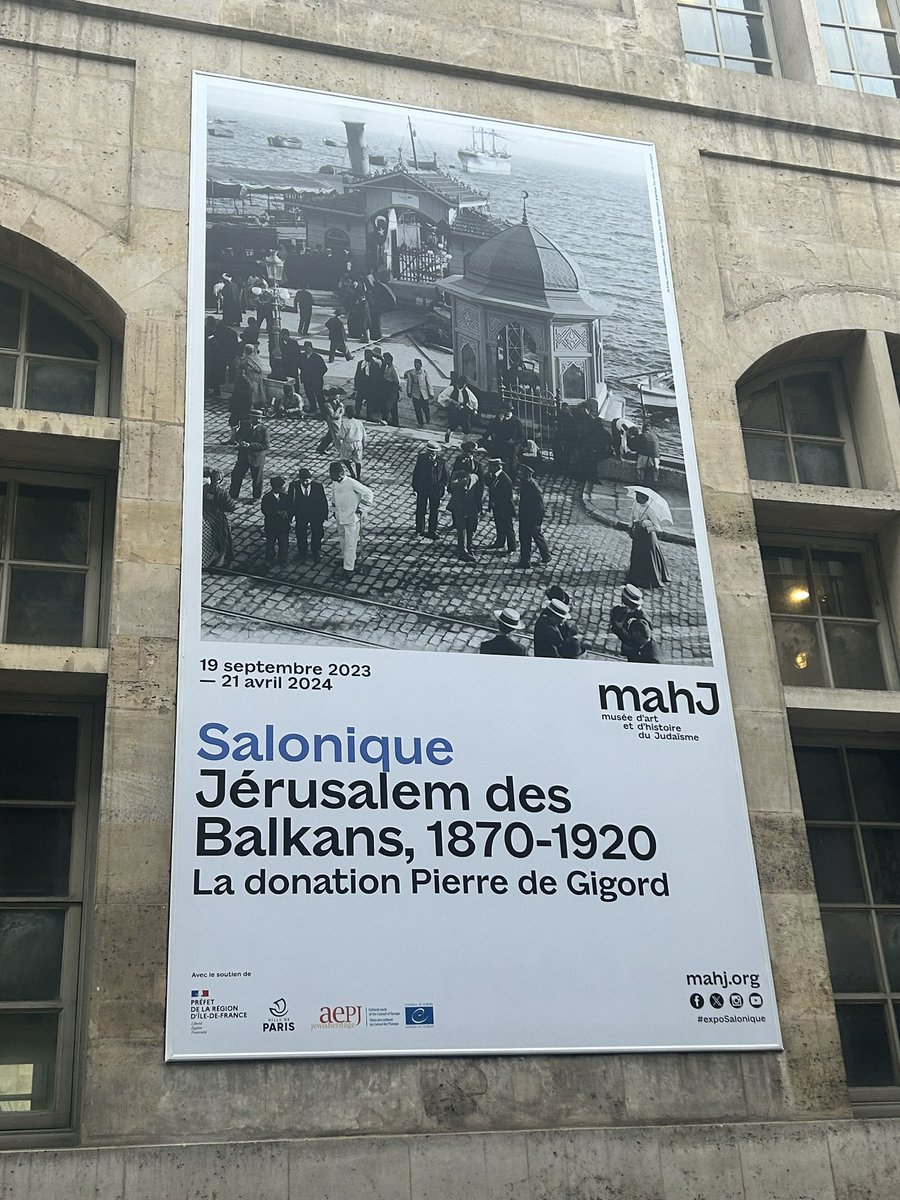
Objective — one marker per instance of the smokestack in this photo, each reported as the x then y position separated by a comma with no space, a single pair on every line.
356,144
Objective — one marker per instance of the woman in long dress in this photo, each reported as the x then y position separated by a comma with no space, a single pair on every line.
218,550
647,568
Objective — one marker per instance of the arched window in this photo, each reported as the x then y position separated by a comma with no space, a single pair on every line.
468,363
518,361
796,427
337,239
50,358
574,382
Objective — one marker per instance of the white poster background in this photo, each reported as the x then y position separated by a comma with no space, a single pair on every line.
513,952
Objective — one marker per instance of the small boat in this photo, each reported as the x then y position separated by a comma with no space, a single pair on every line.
279,141
421,164
218,131
484,159
332,142
659,391
378,160
328,169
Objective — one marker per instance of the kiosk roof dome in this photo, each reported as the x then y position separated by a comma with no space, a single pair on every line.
525,260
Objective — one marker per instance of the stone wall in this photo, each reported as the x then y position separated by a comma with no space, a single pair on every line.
781,202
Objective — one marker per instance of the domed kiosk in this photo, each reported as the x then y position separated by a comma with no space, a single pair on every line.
524,324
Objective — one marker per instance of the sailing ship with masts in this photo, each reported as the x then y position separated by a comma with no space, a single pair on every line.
483,157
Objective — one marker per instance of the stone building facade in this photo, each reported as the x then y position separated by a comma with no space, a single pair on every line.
782,201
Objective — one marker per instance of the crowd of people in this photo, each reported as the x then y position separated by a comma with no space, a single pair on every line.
491,479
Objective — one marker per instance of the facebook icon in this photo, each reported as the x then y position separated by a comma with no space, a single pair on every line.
420,1014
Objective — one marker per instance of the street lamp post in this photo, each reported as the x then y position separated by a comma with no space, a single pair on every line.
274,274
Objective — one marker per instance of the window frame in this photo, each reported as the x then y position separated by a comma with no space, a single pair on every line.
840,393
95,582
867,1097
88,325
70,1004
732,7
773,539
847,27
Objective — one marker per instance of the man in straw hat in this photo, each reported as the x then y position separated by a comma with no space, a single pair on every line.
550,630
633,627
508,621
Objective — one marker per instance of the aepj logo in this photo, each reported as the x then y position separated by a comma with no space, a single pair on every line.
419,1014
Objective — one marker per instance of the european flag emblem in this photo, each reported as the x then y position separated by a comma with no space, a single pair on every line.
420,1014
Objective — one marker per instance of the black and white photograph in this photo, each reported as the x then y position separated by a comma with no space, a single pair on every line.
440,409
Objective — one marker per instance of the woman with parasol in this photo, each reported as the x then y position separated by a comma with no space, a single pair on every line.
647,568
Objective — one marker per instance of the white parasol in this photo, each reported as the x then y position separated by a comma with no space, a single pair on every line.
657,506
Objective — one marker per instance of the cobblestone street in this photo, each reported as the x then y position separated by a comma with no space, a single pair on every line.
412,593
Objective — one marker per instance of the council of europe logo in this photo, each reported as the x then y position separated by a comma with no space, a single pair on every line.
419,1014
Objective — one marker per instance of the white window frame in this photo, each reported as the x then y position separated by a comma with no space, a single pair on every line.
715,7
72,995
22,356
842,406
847,25
93,570
880,621
867,1098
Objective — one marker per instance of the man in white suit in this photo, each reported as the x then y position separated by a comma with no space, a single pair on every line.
349,499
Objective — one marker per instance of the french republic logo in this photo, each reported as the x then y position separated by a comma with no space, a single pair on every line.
419,1014
195,995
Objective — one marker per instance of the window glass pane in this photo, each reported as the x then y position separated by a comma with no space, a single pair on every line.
820,462
889,926
31,942
874,13
743,35
786,580
52,524
799,653
838,51
847,82
704,60
855,656
873,52
835,866
60,387
46,608
760,409
840,584
10,311
574,382
875,775
809,400
697,29
767,458
7,380
848,940
49,332
880,87
882,847
38,757
823,788
27,1061
867,1055
34,851
830,10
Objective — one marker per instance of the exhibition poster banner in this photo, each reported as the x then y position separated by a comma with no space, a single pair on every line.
456,762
